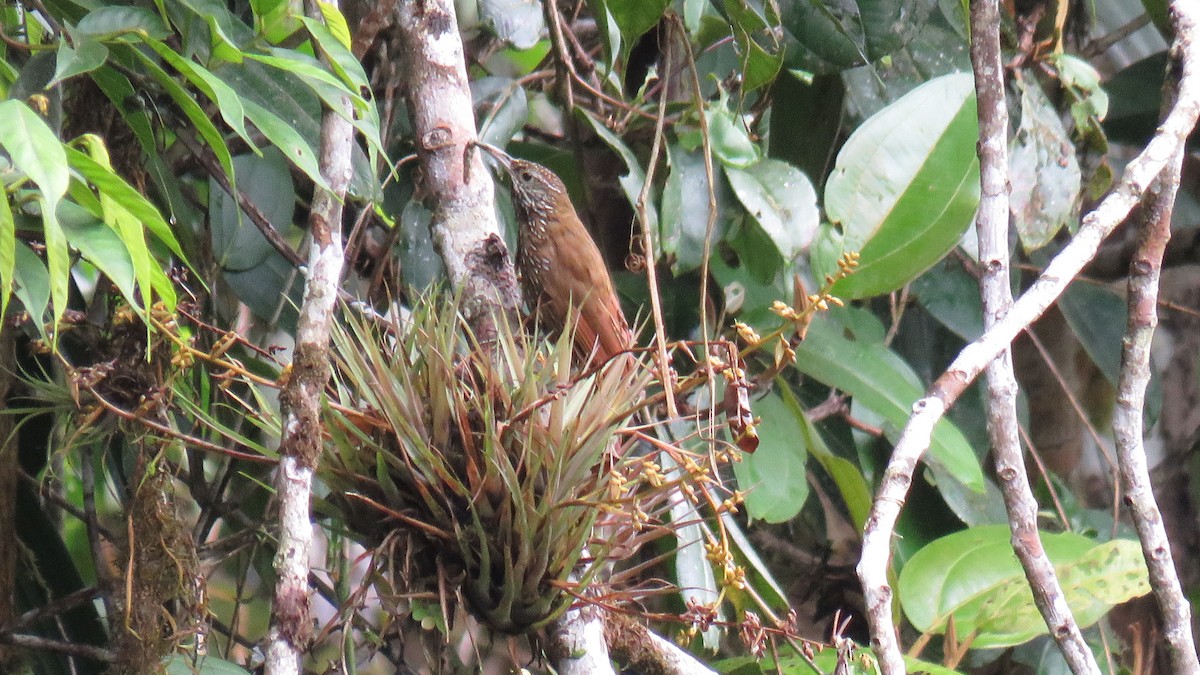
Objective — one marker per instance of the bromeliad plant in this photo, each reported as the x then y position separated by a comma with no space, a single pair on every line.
500,456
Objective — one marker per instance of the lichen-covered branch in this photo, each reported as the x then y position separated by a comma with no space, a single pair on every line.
575,642
300,401
914,440
453,177
639,649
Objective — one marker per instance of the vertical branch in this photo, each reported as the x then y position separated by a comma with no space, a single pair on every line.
1144,273
996,292
970,362
464,227
300,399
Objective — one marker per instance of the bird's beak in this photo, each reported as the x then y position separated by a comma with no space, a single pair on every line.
502,158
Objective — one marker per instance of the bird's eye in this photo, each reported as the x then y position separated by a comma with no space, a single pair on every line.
525,176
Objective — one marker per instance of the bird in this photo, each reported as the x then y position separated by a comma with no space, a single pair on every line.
560,268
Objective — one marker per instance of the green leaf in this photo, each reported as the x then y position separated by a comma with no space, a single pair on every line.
32,284
37,152
101,246
341,60
1042,169
757,37
1158,13
856,494
693,569
632,17
1098,317
501,106
749,292
518,22
115,187
974,578
284,137
117,20
951,295
335,23
844,349
331,90
288,113
827,37
861,662
8,252
86,56
275,19
195,114
237,243
181,664
223,48
119,90
228,102
773,477
686,210
132,236
354,84
1136,92
904,189
730,142
781,199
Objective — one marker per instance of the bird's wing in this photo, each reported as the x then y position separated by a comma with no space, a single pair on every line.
601,322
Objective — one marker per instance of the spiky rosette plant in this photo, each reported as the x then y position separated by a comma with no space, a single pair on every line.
498,455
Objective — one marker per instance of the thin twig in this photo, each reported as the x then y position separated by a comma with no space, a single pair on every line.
39,643
710,225
665,373
54,607
996,293
1104,42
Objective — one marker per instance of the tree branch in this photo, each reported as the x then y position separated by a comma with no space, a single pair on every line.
300,399
996,292
464,227
1144,273
640,649
893,490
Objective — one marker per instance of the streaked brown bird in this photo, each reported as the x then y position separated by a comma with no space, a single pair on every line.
560,268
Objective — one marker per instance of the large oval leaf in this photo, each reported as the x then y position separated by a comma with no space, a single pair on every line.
1043,170
832,36
904,189
237,243
774,476
974,578
845,349
686,211
781,199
